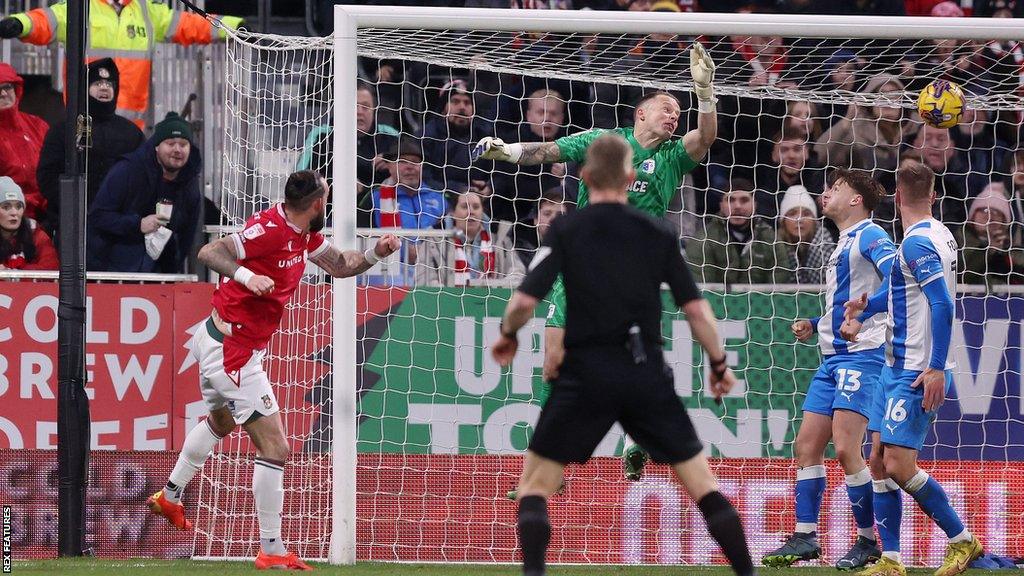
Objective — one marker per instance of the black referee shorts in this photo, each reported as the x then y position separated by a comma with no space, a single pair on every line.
599,386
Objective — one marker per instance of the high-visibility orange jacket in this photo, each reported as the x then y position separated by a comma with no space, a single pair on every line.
129,38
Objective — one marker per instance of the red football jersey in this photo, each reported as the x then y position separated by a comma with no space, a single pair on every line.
271,246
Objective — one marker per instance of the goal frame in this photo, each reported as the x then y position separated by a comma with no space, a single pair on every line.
349,19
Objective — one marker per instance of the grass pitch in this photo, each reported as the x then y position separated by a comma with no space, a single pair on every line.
149,567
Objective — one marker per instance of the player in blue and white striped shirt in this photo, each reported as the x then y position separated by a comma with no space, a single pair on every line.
841,394
918,370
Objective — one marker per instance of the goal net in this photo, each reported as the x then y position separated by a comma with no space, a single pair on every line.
440,429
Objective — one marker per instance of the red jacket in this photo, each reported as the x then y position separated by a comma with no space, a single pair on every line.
46,254
21,141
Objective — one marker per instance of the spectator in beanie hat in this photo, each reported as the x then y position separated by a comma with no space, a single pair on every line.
146,214
112,137
23,244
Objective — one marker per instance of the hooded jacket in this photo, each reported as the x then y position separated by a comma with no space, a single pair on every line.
21,139
128,194
113,136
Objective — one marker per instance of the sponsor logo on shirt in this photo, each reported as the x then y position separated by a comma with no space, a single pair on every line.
253,232
647,166
638,187
922,260
267,402
290,262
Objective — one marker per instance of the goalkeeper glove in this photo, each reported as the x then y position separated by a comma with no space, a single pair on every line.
10,28
490,148
702,70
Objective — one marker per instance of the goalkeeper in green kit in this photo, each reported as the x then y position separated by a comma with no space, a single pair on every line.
660,163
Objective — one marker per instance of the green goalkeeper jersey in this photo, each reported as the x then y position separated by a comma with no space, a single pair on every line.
659,172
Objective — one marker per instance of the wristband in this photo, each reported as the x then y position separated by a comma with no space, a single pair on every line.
501,330
243,275
515,152
371,256
705,106
719,372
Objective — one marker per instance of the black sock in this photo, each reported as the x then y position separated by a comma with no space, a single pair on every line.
725,527
534,533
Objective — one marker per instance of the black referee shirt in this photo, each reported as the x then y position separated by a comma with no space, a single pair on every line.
613,259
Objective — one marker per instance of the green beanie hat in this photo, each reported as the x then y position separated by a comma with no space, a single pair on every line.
172,126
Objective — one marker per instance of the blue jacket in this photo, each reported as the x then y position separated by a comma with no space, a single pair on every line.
129,193
416,211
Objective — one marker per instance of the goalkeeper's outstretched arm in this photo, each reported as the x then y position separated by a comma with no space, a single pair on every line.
526,154
699,140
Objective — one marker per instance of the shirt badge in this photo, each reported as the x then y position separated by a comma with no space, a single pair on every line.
647,166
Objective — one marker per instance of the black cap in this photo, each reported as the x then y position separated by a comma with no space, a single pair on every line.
404,147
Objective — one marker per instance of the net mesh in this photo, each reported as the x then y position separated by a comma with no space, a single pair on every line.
441,428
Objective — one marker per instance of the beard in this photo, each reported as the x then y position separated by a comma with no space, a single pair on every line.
317,224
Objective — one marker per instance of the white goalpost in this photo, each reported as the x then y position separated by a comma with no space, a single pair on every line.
405,434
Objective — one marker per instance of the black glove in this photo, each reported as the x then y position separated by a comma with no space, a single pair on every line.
10,28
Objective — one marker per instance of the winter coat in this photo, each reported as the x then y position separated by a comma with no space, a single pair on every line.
113,136
981,263
128,194
715,258
803,264
517,188
21,140
435,263
446,155
45,256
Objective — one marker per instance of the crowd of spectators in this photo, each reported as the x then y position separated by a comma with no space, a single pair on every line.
755,197
757,194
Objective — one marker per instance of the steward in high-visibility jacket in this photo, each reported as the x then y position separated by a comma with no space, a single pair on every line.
125,30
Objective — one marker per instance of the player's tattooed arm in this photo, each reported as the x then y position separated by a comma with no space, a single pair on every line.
342,263
220,256
540,153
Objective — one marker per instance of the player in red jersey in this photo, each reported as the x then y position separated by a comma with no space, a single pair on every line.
261,267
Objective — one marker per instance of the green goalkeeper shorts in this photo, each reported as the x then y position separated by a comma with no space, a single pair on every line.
556,312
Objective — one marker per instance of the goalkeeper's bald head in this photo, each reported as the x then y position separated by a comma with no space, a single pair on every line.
608,169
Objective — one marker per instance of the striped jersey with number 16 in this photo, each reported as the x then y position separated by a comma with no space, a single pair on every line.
928,254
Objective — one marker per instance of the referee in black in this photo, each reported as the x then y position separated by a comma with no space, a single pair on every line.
613,259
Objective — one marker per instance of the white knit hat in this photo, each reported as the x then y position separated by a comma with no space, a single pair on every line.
797,197
10,191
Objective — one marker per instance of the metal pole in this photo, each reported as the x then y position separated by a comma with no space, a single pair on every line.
72,402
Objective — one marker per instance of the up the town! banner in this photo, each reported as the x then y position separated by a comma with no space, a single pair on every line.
441,428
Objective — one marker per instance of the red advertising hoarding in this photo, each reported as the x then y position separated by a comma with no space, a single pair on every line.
452,508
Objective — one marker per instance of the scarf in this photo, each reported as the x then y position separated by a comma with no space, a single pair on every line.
389,217
487,260
812,269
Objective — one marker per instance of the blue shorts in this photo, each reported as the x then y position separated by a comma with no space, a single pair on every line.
845,382
877,407
904,422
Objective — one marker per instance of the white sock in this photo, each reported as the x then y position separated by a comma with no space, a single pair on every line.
268,491
868,533
194,452
892,556
964,536
916,482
